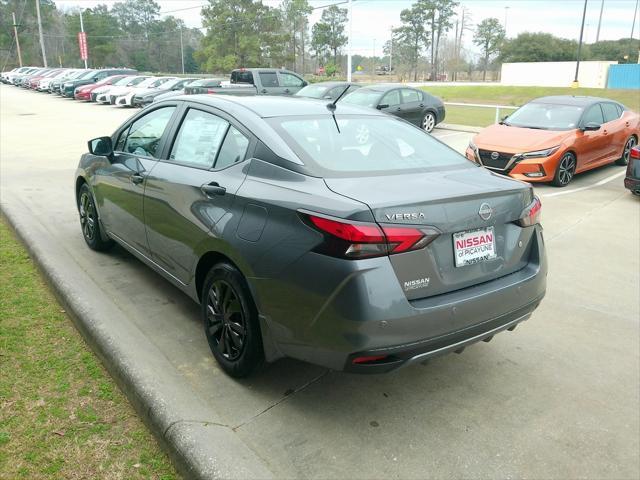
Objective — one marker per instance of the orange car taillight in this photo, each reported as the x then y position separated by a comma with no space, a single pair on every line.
531,215
355,240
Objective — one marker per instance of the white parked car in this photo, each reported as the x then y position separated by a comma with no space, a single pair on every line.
126,100
119,88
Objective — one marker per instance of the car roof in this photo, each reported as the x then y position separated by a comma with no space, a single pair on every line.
573,100
330,84
271,106
385,87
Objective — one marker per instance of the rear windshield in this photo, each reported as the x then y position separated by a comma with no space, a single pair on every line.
312,91
364,97
546,116
364,145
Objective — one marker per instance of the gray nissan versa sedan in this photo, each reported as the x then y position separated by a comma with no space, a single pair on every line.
338,235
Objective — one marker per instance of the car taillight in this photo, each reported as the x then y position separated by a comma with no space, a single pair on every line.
635,153
355,240
211,90
531,215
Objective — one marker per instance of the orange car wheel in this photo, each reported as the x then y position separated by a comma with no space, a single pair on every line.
565,171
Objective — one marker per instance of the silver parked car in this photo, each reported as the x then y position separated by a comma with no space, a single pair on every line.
338,235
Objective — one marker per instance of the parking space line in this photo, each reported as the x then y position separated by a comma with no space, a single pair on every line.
587,187
450,134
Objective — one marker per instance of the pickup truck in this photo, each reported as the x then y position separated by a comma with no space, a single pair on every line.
256,81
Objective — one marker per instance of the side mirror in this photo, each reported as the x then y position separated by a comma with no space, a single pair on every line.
590,127
504,118
101,147
305,83
382,106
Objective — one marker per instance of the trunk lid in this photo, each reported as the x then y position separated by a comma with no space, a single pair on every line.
449,201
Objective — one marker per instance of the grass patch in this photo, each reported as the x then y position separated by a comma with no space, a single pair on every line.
61,415
514,96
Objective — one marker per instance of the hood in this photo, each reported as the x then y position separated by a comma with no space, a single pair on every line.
503,138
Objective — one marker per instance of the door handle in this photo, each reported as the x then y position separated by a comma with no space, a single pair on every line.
421,105
264,90
604,132
213,189
286,90
137,178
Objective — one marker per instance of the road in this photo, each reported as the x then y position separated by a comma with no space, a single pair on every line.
557,398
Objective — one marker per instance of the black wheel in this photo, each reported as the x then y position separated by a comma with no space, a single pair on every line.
626,152
89,221
231,322
565,171
429,122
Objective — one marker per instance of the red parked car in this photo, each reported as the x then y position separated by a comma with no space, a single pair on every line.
35,81
84,92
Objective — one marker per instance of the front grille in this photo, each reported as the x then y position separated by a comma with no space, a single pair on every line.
500,162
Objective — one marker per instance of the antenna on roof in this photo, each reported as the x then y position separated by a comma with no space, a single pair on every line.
332,106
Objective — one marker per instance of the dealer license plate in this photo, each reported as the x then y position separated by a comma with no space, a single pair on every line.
474,246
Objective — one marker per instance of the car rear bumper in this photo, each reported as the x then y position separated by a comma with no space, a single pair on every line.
344,315
633,184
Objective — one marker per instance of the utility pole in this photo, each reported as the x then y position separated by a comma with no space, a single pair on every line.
373,58
15,33
82,30
350,41
181,50
584,14
44,54
391,52
506,17
599,21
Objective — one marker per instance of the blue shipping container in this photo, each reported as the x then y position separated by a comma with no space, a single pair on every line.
624,76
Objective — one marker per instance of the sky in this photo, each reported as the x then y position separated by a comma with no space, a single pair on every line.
374,19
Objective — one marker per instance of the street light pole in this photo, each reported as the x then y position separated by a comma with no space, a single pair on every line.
15,32
506,17
44,54
575,83
181,50
599,21
350,42
391,51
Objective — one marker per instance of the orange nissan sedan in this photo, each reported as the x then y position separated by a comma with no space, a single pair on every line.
550,139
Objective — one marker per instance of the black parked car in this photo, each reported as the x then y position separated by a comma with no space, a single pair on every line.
415,106
632,179
93,76
327,90
206,85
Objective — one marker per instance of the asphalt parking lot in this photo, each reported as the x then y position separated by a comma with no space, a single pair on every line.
557,398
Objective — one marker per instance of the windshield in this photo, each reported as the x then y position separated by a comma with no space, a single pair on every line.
124,81
365,144
136,81
366,98
147,82
312,91
545,116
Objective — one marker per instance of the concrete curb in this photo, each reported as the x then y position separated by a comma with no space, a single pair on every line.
459,128
199,448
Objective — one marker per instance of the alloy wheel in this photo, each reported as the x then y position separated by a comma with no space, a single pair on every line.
226,322
627,149
87,216
566,168
428,122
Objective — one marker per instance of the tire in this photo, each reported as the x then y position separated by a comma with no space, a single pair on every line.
566,170
428,122
626,151
230,320
89,222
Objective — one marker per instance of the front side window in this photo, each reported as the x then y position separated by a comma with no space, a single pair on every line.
199,139
392,98
610,111
593,115
269,79
145,133
289,80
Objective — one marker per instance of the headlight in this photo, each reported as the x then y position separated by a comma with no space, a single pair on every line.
540,153
473,146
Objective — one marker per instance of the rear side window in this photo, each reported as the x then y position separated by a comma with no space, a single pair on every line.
410,96
593,115
241,77
610,111
289,80
234,148
199,139
269,79
145,133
